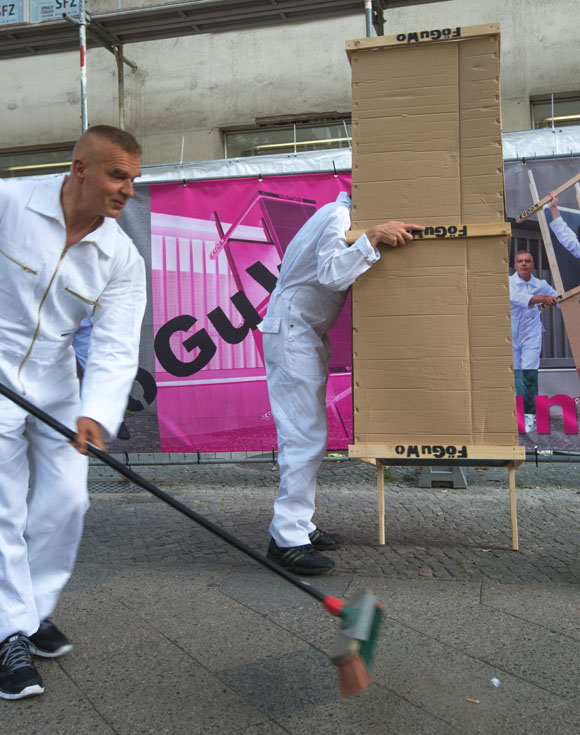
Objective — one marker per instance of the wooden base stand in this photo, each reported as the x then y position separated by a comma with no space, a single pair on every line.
509,457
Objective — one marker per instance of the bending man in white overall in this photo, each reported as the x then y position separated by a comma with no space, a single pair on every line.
317,270
63,257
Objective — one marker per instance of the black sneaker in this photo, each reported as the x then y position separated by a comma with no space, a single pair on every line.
18,675
300,559
323,541
123,432
49,641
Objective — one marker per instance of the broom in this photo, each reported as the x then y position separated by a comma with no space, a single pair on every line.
360,619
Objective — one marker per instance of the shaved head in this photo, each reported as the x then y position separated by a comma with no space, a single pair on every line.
89,143
106,161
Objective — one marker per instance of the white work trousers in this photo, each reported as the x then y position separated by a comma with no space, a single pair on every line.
43,498
297,370
527,350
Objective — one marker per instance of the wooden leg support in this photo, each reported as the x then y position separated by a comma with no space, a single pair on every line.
381,501
513,507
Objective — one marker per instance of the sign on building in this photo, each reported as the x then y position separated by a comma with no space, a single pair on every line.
11,12
41,10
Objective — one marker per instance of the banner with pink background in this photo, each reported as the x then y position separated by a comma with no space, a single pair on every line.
216,247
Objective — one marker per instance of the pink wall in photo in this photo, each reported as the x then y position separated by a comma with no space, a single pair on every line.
212,391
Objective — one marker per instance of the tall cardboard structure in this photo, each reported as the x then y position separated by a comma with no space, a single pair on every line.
432,365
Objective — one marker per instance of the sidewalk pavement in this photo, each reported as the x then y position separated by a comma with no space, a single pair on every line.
176,632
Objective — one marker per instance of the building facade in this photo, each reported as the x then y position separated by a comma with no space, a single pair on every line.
273,88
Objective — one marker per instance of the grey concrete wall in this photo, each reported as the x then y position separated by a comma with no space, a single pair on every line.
192,87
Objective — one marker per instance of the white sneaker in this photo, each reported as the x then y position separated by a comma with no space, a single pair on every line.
529,422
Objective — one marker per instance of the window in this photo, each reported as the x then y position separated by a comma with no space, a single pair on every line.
559,109
288,138
35,161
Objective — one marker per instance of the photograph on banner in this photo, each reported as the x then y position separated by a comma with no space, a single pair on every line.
545,299
216,248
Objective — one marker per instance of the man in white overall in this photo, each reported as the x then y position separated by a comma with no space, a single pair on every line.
317,270
63,257
526,293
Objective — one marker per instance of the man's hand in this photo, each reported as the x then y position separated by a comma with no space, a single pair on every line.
545,300
553,205
392,233
88,431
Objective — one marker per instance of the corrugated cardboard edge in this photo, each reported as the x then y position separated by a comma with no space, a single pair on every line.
423,36
472,452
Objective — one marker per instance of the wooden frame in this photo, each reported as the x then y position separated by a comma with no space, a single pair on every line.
540,203
511,466
450,232
425,452
439,35
567,298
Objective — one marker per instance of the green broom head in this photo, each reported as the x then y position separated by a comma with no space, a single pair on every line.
359,629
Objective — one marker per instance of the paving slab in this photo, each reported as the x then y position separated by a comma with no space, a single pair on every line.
424,598
564,720
176,632
482,632
136,676
452,686
556,609
284,684
64,709
376,712
263,591
263,728
550,661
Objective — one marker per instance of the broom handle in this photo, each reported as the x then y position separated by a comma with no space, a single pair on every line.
150,487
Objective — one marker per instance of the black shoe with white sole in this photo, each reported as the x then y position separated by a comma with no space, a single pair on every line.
323,541
18,675
300,559
49,641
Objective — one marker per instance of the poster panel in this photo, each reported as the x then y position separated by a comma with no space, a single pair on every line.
216,247
212,250
555,423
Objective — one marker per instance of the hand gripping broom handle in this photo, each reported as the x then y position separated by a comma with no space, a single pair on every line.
332,604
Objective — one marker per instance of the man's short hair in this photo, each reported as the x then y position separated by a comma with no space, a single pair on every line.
125,140
523,251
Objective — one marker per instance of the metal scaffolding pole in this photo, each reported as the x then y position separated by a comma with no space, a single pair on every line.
120,85
83,50
369,17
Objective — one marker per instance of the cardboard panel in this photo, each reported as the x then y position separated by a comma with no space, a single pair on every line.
432,335
443,373
570,307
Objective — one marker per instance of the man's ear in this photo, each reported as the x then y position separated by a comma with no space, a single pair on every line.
79,168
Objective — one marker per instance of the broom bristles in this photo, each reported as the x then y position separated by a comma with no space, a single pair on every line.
353,677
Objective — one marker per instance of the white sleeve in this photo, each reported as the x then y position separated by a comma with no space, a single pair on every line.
566,236
339,265
114,347
519,298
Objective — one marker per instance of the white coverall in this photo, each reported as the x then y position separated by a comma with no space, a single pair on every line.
317,270
527,326
45,291
566,236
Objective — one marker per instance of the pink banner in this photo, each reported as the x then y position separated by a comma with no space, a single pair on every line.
216,247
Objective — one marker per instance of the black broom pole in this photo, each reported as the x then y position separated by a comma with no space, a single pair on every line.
330,603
